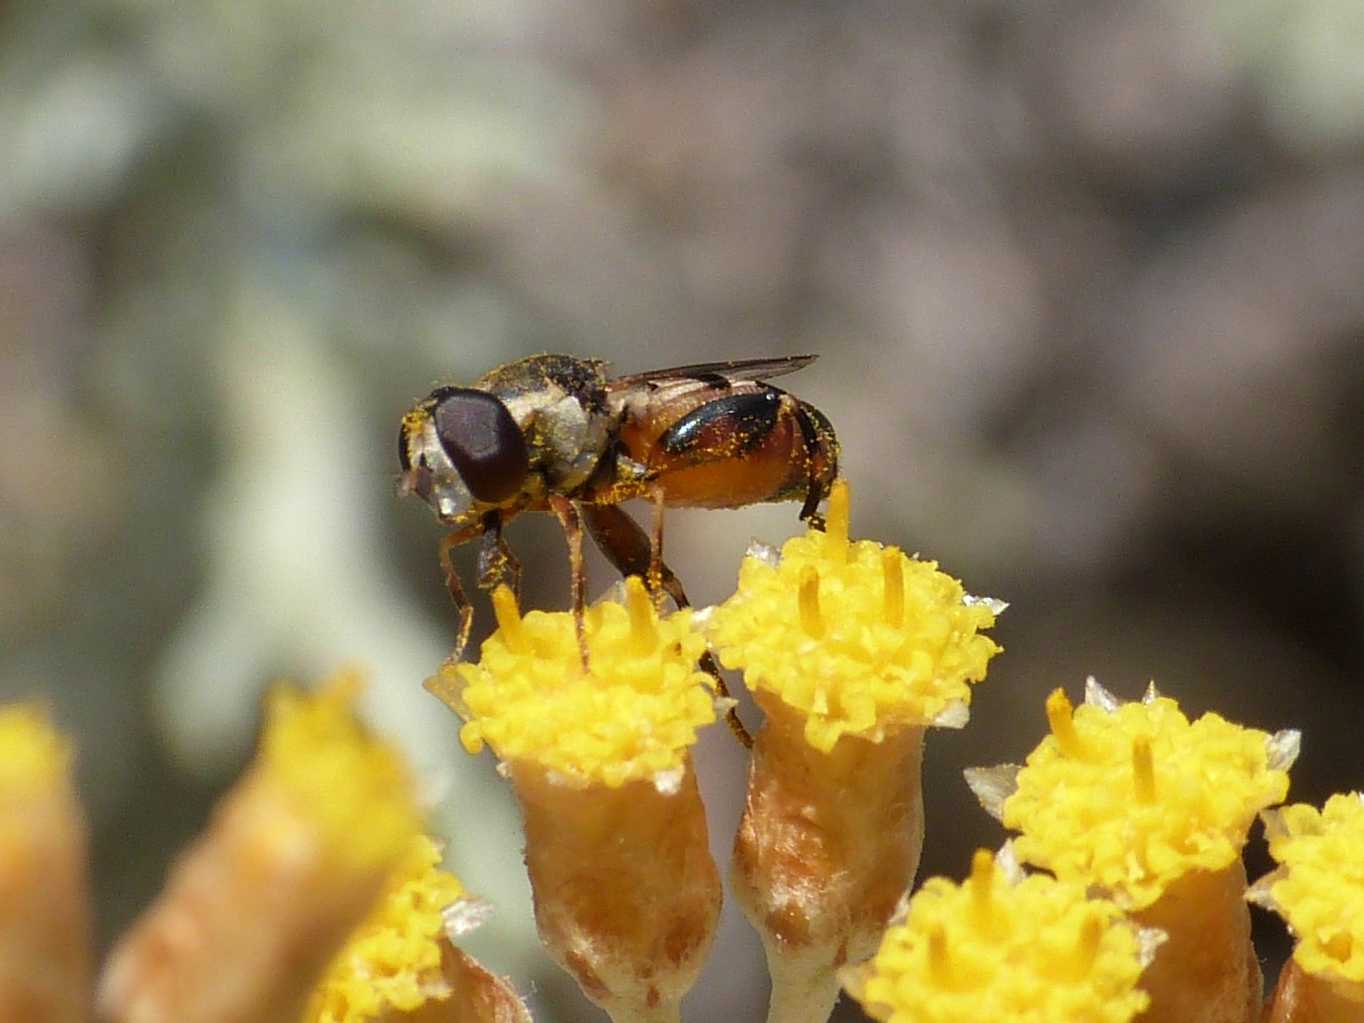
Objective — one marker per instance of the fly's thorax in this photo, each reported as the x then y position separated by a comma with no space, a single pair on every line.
560,403
567,439
525,431
585,379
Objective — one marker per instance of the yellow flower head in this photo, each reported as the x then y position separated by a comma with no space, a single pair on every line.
32,755
352,787
1320,888
990,950
1132,796
857,636
392,963
632,716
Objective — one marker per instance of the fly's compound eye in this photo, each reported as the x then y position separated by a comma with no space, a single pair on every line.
483,441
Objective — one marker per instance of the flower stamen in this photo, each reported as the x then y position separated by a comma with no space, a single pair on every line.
1060,716
508,616
810,619
893,576
643,634
1143,770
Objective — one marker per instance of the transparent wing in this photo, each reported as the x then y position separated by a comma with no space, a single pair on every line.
714,372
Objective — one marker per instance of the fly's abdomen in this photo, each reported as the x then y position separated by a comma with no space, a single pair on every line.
734,446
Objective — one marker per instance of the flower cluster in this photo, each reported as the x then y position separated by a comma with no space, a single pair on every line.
1133,796
632,715
627,897
1320,888
1136,802
315,855
857,637
1003,946
315,895
392,962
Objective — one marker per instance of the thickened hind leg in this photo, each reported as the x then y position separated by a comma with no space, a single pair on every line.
629,548
821,453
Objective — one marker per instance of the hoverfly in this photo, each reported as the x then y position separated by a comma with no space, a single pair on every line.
555,433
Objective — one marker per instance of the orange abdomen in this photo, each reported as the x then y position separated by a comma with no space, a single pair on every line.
729,447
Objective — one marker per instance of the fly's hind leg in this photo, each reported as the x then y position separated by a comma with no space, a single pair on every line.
809,512
631,550
821,453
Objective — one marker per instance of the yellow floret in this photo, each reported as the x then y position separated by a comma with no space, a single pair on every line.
857,636
392,963
632,716
987,950
32,755
1132,799
1321,894
354,788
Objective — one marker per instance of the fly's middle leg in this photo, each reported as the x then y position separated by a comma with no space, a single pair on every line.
567,514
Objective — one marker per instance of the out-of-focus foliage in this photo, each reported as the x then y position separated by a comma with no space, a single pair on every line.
1085,277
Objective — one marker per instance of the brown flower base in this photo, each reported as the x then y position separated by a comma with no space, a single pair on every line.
1207,971
827,845
1302,997
626,893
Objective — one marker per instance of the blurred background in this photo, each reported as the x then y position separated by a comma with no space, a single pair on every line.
1087,280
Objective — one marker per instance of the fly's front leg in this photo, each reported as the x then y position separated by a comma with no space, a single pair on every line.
496,562
629,548
463,608
441,685
568,517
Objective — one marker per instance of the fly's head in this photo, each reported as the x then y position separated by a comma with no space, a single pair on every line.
462,452
523,432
